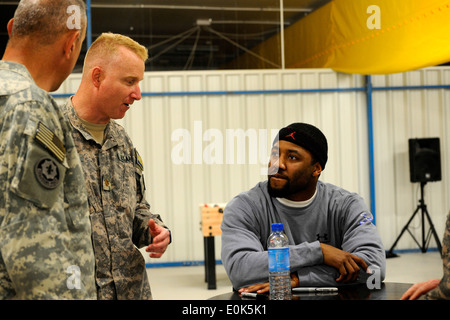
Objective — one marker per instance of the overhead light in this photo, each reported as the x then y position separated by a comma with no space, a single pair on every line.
204,22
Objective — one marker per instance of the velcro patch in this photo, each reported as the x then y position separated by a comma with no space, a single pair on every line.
139,161
50,142
47,173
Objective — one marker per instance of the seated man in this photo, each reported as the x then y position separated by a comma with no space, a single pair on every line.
331,236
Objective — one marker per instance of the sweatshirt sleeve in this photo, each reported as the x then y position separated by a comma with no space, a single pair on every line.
243,255
361,238
356,234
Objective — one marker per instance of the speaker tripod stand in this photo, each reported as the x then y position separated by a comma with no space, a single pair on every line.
425,240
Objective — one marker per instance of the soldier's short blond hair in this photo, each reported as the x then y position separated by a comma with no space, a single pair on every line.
107,44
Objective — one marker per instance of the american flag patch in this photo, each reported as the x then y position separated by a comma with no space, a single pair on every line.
50,142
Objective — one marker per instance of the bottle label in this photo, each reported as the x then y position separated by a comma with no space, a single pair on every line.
279,259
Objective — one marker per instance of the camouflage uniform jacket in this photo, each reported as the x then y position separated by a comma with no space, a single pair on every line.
45,233
119,211
442,291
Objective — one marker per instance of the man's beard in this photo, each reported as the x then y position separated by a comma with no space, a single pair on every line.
299,182
279,193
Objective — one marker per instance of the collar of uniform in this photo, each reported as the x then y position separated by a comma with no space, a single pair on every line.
111,135
19,69
16,67
75,121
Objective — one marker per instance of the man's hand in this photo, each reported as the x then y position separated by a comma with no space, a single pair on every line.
346,263
160,239
258,288
265,287
419,289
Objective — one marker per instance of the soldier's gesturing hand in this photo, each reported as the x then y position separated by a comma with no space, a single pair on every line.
160,239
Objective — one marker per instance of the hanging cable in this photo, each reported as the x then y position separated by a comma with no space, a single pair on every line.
250,35
190,59
172,38
184,35
187,35
241,47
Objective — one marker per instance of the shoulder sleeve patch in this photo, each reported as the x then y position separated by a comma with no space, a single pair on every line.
139,161
50,142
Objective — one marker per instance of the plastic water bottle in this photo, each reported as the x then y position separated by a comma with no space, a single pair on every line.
279,266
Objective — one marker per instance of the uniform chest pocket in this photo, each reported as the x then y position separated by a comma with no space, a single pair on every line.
125,183
40,178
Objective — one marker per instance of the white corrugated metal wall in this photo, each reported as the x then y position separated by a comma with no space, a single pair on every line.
198,112
399,115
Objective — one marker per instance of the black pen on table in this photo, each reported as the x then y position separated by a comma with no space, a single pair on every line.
314,289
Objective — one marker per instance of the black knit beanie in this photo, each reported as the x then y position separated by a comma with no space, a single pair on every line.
306,136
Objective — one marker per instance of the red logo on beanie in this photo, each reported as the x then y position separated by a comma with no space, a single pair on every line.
291,135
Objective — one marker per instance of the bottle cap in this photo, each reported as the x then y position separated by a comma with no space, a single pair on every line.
277,226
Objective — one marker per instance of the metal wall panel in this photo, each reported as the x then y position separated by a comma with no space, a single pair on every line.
399,115
217,120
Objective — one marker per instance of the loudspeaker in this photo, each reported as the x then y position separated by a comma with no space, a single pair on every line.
424,160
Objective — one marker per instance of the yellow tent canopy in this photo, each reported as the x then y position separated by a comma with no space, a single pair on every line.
365,37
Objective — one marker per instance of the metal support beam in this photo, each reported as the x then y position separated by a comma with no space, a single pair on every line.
89,23
369,91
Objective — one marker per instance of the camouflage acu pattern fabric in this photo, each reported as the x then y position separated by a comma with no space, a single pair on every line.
45,232
119,211
442,291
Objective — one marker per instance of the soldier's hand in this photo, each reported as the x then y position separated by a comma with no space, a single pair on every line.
160,239
419,289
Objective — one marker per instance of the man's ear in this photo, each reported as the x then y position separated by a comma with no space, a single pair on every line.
9,26
70,43
96,76
317,169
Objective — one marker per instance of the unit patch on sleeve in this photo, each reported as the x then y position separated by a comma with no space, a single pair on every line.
47,173
139,161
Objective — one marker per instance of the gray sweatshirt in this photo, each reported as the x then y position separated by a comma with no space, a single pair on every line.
335,217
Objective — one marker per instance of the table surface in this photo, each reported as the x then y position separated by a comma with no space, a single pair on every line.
387,291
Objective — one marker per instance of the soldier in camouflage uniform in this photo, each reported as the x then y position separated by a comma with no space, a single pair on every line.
45,233
120,215
435,289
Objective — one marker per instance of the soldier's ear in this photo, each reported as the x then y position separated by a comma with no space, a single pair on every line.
96,76
70,43
9,26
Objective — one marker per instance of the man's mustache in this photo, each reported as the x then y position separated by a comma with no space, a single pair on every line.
279,176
